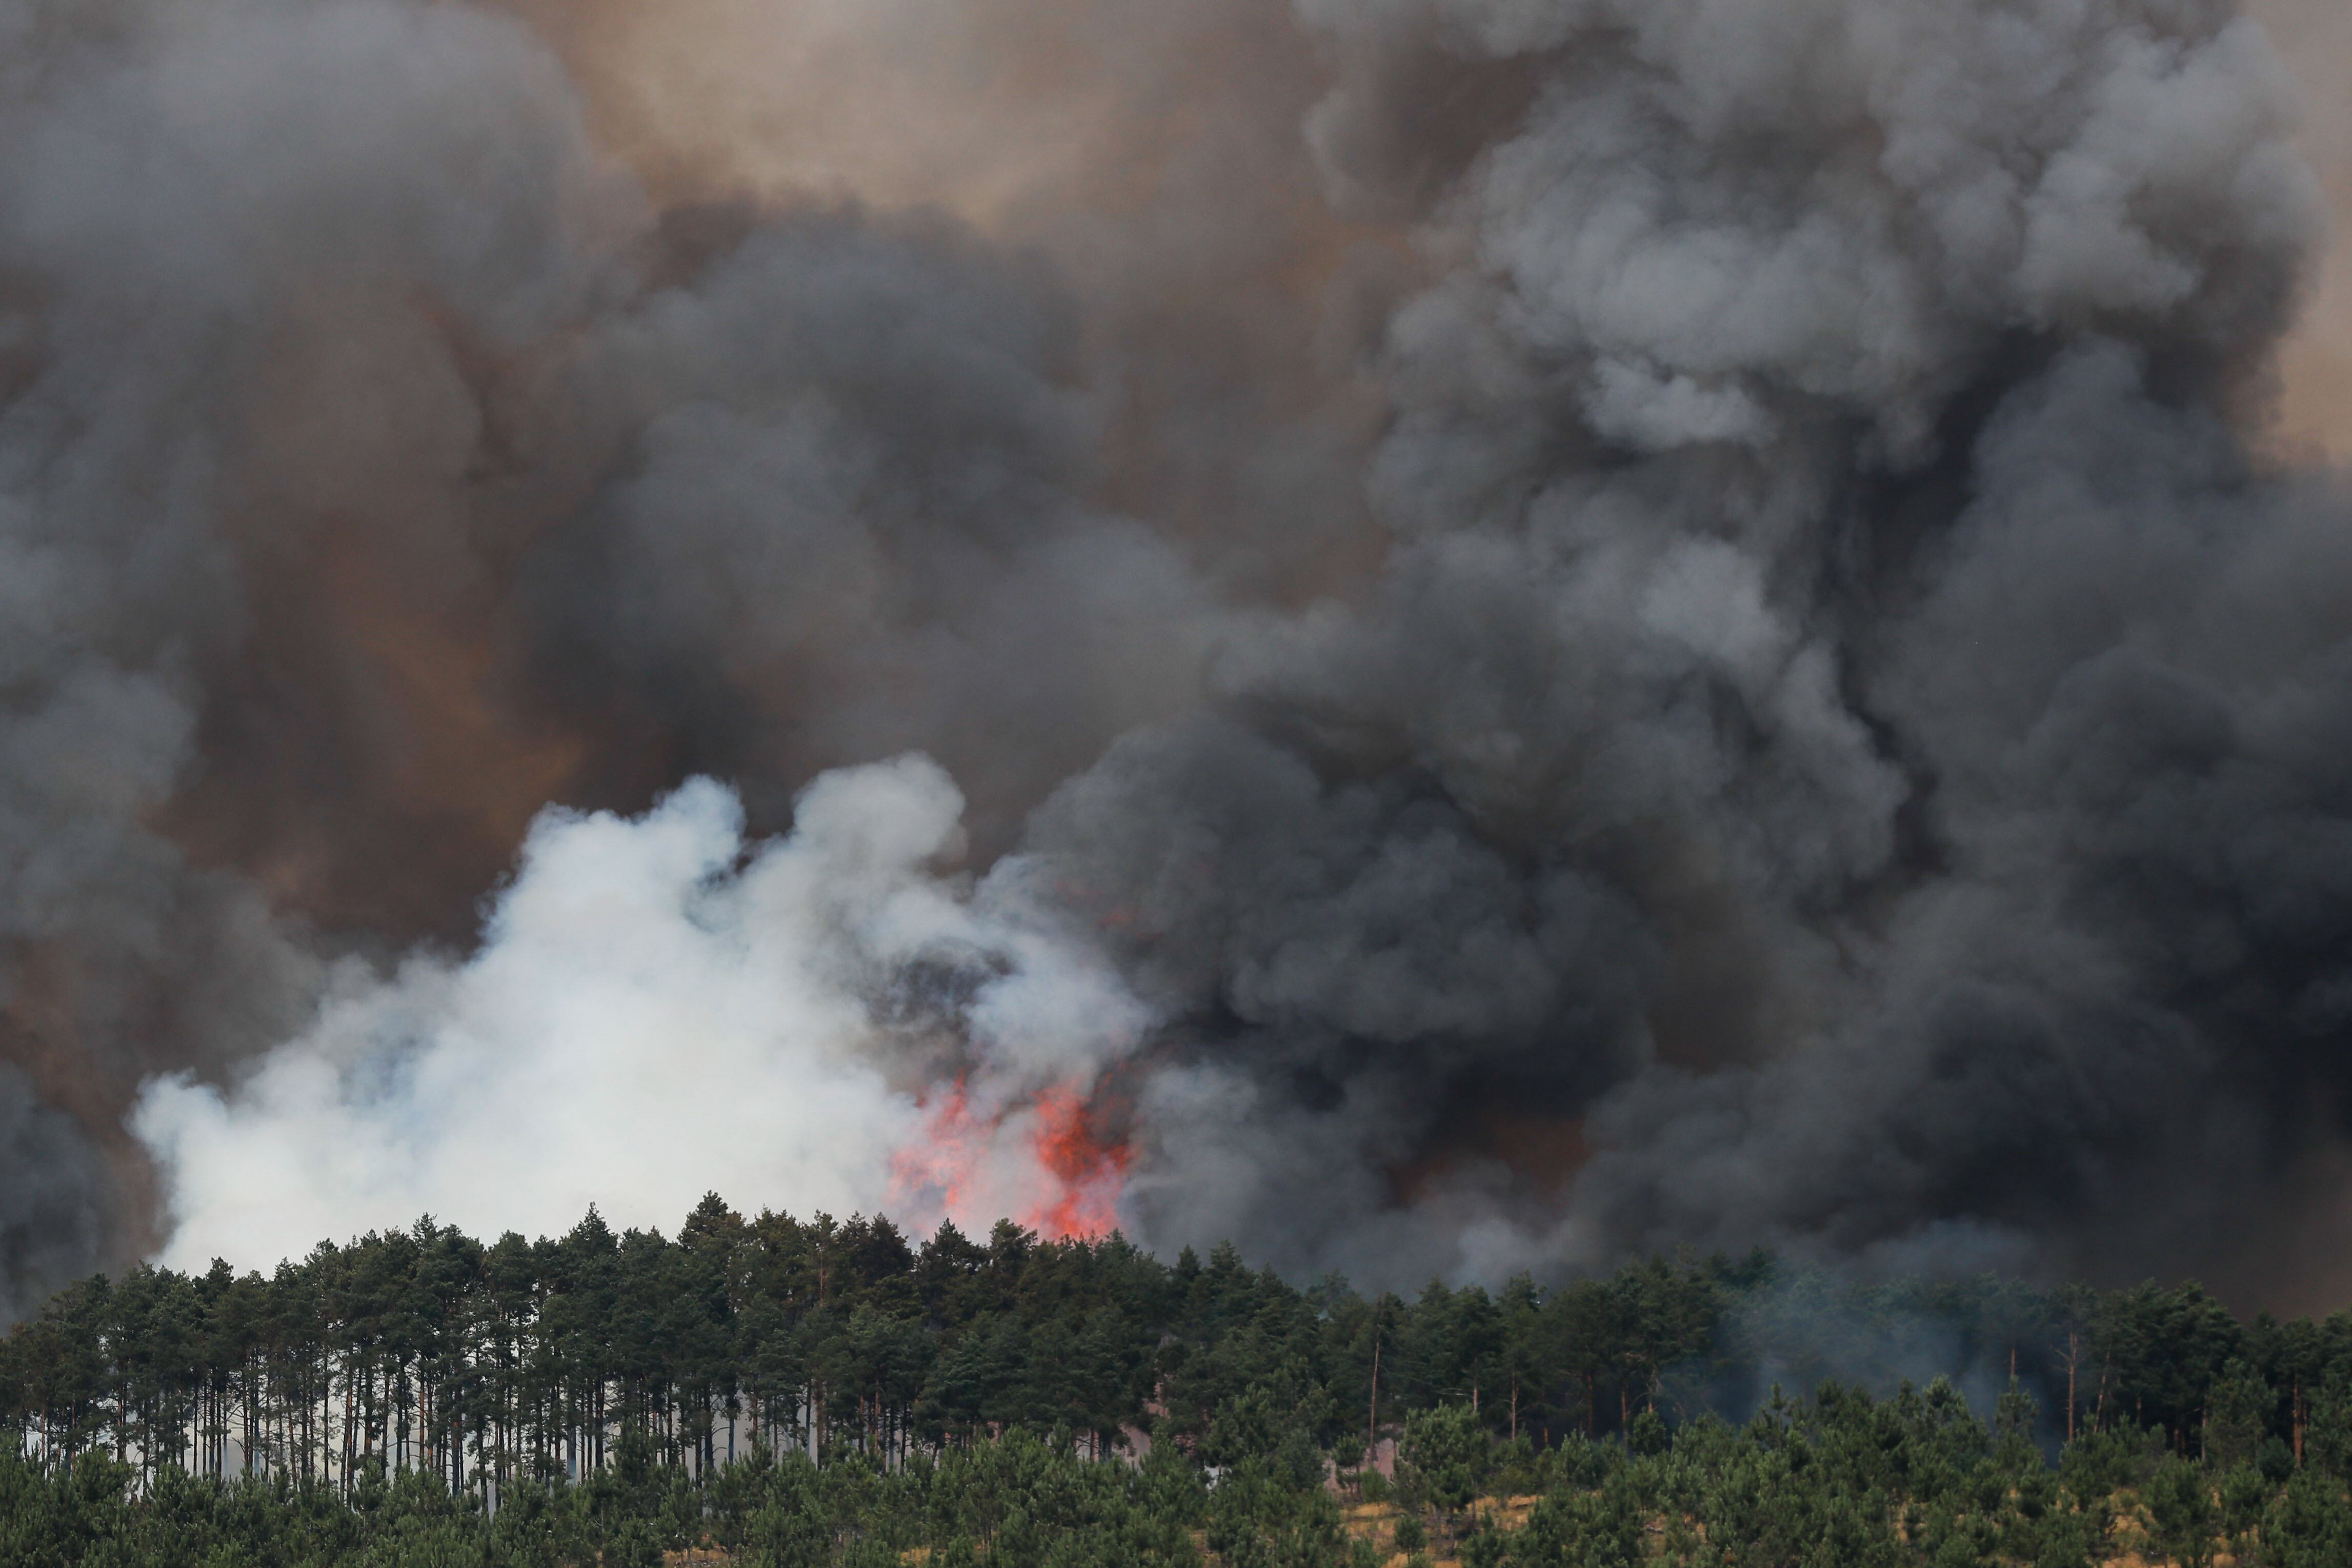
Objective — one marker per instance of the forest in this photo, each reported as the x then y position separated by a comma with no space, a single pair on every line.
772,1391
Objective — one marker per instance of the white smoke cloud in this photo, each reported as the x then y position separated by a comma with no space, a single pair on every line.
658,1008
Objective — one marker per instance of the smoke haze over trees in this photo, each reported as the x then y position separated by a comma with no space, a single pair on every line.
1440,636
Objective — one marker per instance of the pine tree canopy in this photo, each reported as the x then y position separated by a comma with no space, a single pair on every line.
773,1391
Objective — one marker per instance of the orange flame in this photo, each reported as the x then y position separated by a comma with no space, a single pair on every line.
1091,1171
1083,1173
937,1172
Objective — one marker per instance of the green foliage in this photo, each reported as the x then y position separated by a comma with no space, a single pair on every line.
2245,1492
1447,1453
2309,1525
2104,1461
2329,1443
1586,1528
2181,1512
1259,1426
828,1394
2238,1413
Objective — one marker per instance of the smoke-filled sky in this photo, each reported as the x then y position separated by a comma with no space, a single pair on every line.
1440,636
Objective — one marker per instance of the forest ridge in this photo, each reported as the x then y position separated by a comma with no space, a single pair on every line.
830,1392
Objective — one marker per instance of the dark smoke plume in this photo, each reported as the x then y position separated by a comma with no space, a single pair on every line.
1535,630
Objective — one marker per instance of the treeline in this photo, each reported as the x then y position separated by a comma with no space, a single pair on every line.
1842,1481
606,1378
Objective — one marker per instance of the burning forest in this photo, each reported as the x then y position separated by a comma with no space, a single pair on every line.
1443,637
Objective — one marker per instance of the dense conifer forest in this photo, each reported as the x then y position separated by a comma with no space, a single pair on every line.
778,1391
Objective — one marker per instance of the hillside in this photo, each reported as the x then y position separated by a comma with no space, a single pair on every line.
785,1392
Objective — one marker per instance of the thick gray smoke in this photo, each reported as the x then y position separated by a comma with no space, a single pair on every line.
1842,727
1559,627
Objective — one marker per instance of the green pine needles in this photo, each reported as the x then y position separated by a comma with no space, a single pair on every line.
763,1390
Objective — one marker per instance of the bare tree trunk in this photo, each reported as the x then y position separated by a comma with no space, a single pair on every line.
2073,1354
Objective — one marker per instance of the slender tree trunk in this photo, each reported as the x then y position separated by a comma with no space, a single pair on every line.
2073,1354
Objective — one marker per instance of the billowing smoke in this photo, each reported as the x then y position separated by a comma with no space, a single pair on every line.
651,1010
1437,635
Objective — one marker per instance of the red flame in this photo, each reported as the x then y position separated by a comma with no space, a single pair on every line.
937,1172
1083,1171
1090,1170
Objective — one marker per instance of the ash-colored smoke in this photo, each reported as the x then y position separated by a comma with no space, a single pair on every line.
1567,628
1822,734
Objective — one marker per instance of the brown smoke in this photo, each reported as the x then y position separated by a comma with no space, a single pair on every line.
373,749
2316,362
1153,152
